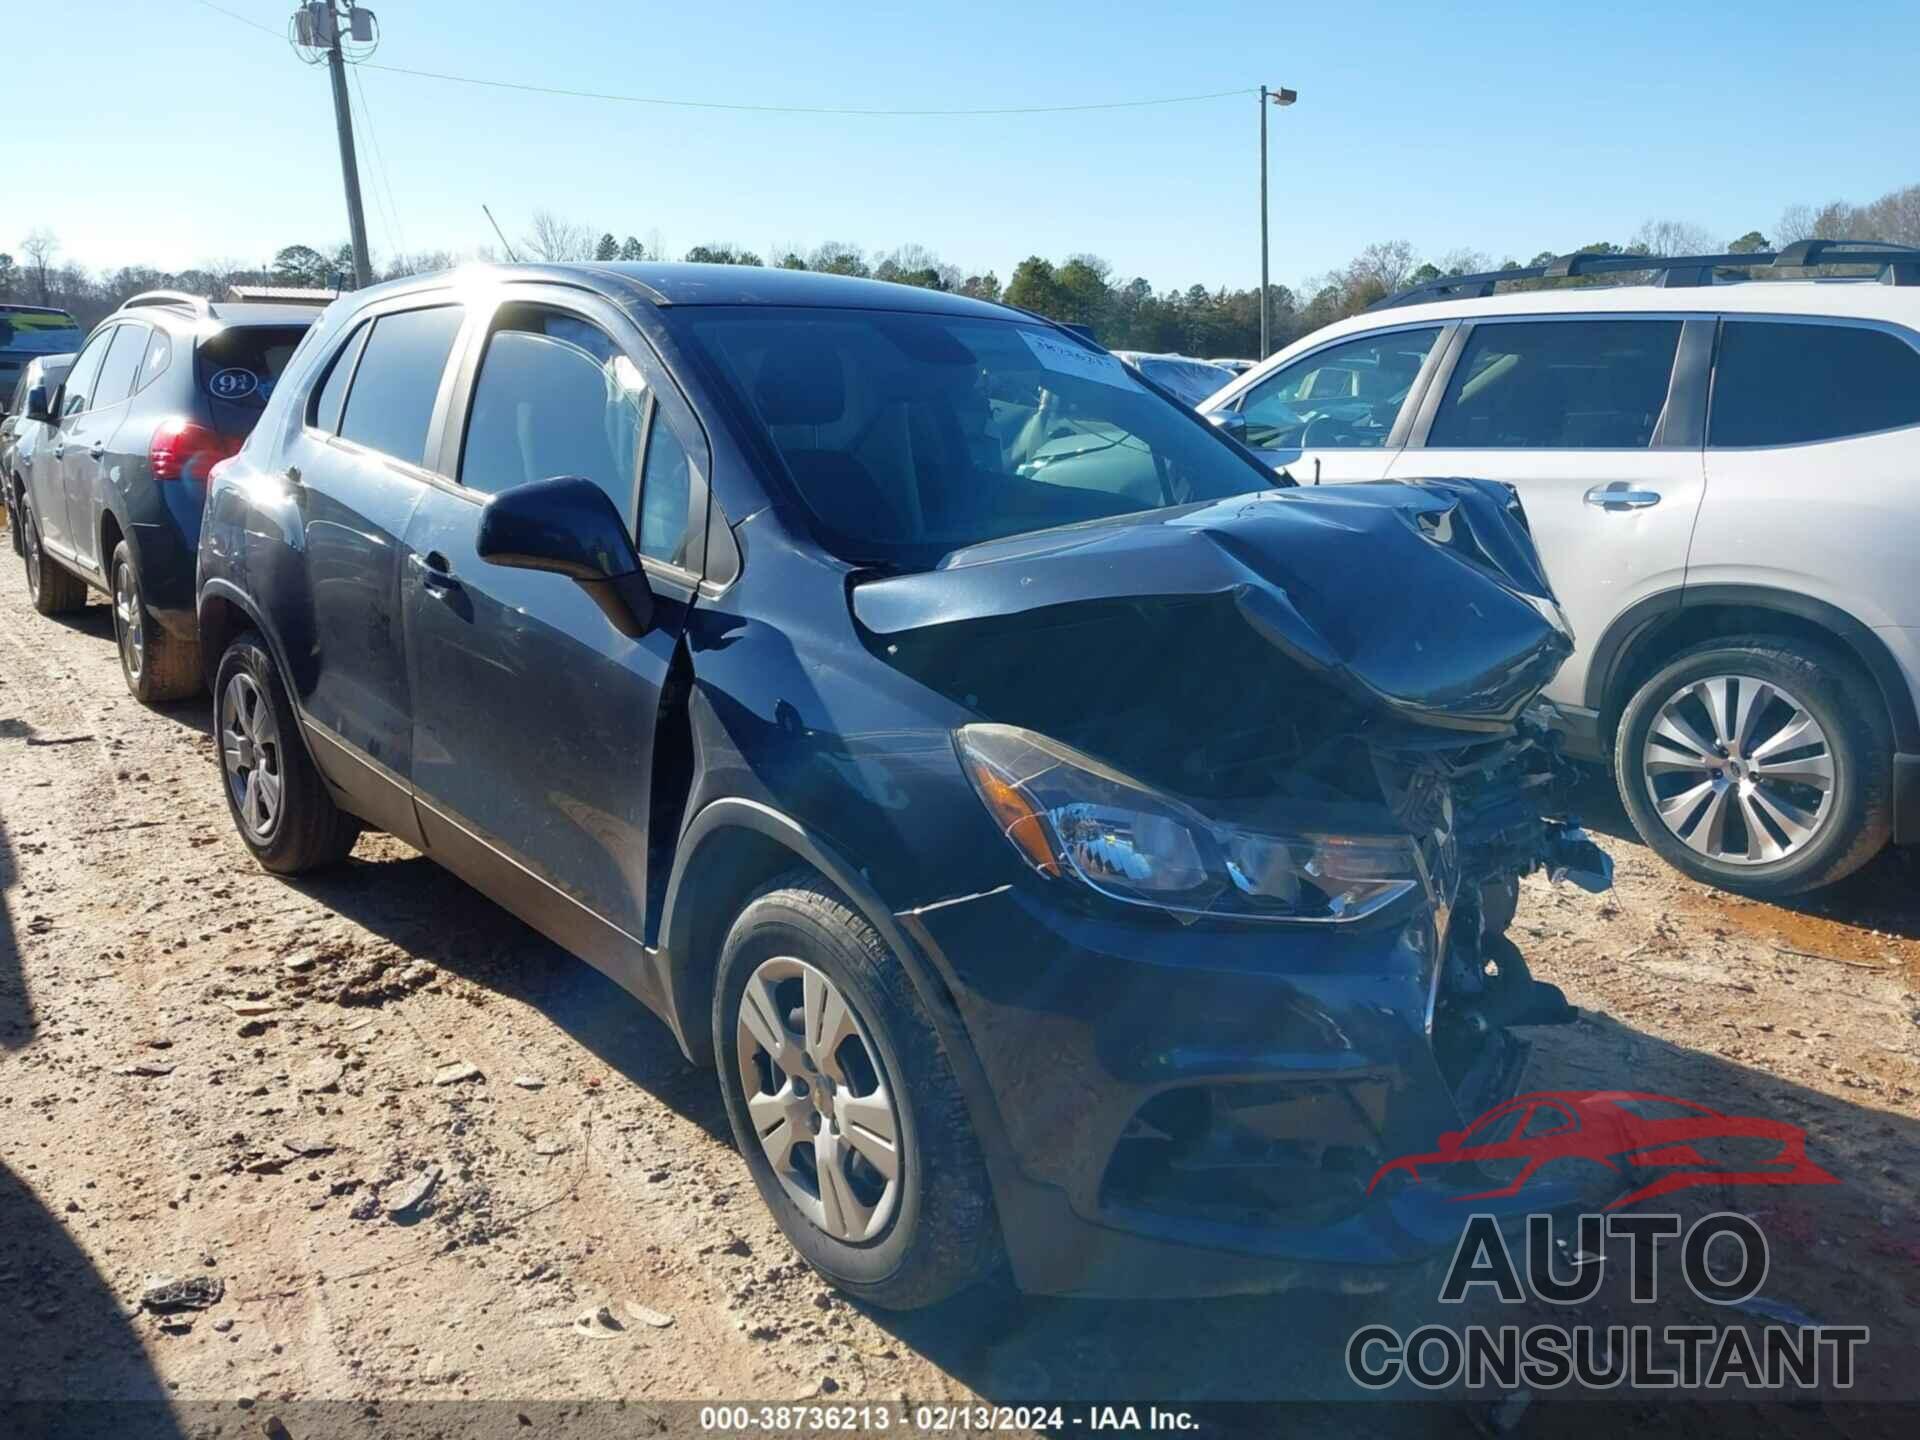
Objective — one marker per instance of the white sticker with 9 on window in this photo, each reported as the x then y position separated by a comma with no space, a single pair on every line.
1063,355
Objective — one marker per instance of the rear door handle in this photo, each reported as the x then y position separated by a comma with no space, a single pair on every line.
1620,496
94,452
59,449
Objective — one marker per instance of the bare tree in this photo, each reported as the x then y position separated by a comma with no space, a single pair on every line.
40,246
1674,237
553,239
1796,223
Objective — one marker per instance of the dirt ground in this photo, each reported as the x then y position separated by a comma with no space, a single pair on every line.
206,1071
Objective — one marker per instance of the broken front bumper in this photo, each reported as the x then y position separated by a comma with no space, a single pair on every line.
1198,1108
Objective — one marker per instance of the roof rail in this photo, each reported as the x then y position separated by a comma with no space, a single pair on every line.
1898,265
175,299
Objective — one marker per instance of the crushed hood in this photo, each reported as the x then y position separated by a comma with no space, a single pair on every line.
1426,597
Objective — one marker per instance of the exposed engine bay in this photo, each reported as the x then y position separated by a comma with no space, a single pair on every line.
1357,659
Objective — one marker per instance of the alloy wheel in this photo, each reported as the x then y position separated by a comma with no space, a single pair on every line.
818,1100
1739,770
30,535
250,754
129,625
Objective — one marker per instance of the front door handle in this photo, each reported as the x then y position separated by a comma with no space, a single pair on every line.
59,449
1619,495
435,573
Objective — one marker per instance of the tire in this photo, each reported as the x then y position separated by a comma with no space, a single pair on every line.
255,733
55,589
12,499
937,1235
157,664
1846,816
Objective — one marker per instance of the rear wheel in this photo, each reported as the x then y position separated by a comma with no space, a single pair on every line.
844,1103
55,589
278,800
1758,768
12,497
158,664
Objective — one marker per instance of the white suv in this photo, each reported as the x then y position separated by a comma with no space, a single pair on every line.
1724,480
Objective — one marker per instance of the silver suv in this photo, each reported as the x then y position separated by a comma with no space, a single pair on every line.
1724,481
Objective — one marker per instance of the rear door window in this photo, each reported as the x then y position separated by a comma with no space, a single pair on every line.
390,406
1777,382
1558,385
79,387
115,382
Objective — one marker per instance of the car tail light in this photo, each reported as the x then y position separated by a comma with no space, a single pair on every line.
184,450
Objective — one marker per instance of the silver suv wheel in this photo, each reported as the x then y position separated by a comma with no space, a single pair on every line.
818,1099
129,622
250,754
1738,770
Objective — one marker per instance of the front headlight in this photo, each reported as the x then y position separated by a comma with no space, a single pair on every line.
1071,816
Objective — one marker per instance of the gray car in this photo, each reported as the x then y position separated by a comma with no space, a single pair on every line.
19,434
164,388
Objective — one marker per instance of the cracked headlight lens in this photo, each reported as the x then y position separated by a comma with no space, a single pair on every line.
1072,817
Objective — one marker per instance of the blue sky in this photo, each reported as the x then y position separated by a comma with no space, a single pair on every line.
176,134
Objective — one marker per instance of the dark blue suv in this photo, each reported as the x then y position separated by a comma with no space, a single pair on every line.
1065,843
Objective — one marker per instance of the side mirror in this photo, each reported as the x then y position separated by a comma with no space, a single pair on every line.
38,405
1229,422
567,526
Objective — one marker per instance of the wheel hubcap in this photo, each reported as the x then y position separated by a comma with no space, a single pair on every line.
128,622
1739,770
250,754
818,1100
31,536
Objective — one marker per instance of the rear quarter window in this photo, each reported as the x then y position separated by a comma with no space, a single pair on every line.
1778,382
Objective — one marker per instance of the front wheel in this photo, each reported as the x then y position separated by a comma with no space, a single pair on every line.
1758,768
55,590
845,1105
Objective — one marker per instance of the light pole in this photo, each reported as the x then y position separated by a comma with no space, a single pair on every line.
1279,95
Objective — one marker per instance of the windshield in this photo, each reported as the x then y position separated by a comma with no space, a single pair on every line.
908,435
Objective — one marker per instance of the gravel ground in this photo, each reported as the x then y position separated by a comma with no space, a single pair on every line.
427,1156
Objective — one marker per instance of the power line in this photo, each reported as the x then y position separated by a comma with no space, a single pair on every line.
244,20
390,208
806,109
874,112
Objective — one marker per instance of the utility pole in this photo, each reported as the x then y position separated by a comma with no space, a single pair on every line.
1279,96
317,25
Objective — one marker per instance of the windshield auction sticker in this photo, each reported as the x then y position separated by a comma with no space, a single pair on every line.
1067,358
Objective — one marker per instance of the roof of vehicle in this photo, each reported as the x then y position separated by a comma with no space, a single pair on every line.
675,283
198,311
1841,299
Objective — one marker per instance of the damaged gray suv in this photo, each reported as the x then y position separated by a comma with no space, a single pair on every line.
1067,841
